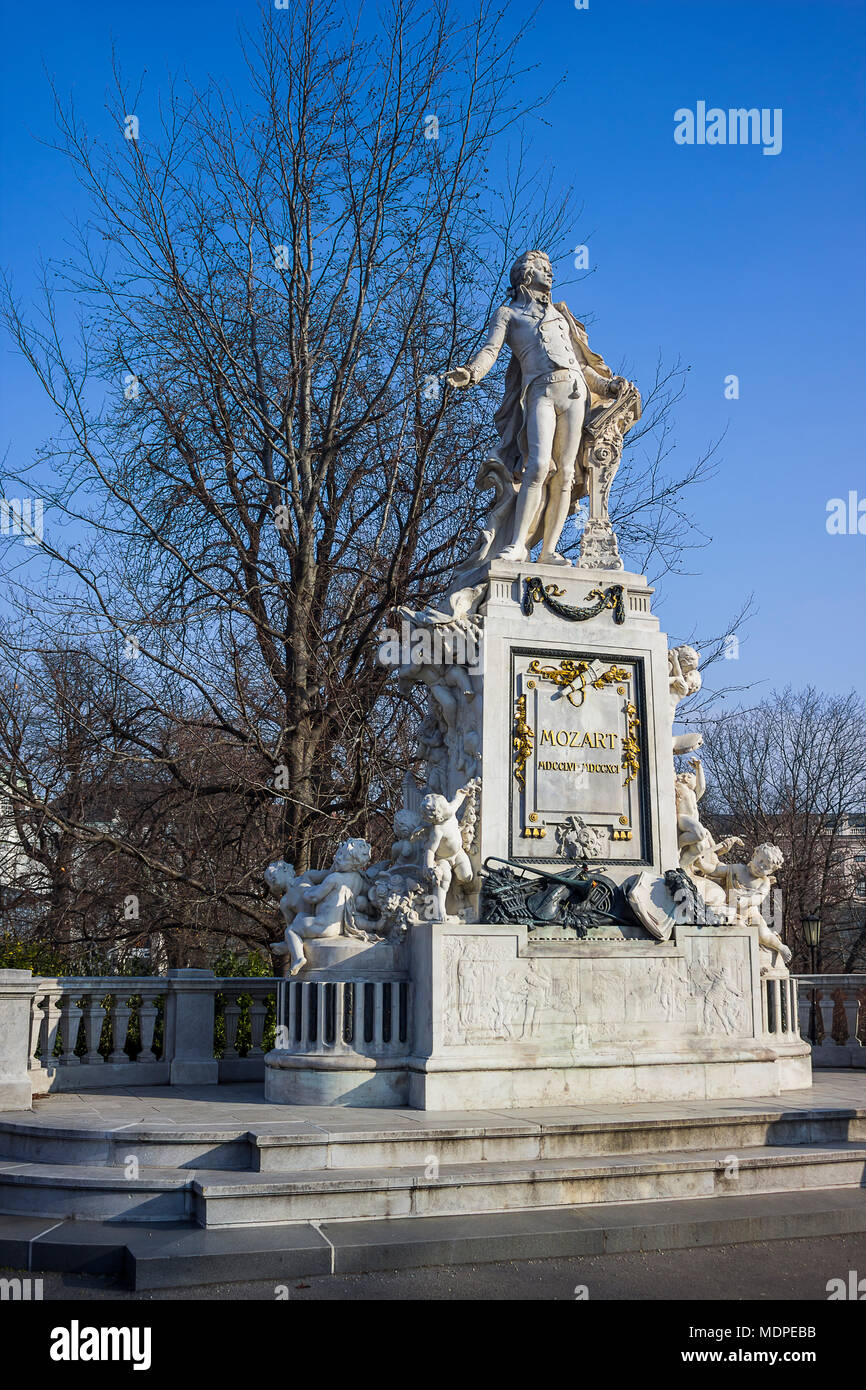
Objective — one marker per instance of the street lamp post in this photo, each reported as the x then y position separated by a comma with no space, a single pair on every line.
812,932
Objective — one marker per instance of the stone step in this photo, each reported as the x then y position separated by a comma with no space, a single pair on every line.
350,1194
223,1198
172,1255
34,1141
95,1192
549,1138
305,1146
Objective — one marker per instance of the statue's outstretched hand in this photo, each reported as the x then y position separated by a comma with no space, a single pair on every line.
459,377
617,385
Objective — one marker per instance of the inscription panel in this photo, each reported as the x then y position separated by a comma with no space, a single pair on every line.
578,740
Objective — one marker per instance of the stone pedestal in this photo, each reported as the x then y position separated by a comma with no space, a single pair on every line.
344,1027
562,722
487,1016
344,958
576,718
502,1020
189,1024
16,994
293,1078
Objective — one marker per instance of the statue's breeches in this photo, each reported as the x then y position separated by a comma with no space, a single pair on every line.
554,411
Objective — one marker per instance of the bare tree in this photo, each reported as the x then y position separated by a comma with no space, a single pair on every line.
792,770
255,452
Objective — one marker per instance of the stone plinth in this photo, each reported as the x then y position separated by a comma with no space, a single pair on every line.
558,738
16,993
492,1016
502,1020
344,1028
596,743
333,1079
344,958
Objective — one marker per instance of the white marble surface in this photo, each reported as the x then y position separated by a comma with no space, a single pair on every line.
508,1020
549,638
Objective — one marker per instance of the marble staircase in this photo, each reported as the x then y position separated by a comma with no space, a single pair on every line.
274,1184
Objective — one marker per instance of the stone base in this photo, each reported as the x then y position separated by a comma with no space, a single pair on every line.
293,1080
339,1080
92,1075
505,1020
346,1190
343,958
501,1018
192,1073
739,1074
837,1055
16,1095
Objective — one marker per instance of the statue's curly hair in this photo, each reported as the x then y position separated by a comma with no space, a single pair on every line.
772,853
517,274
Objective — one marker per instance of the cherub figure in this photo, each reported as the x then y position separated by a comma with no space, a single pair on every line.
442,851
405,848
320,902
684,679
746,886
698,851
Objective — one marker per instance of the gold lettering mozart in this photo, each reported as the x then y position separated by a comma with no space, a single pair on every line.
571,738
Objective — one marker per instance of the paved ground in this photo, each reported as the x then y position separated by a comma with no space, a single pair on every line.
791,1270
241,1106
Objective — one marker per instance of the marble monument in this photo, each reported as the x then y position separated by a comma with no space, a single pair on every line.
553,923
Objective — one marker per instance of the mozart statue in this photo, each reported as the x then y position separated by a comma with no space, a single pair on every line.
555,385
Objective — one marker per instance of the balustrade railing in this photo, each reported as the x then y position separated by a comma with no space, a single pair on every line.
833,1018
94,1022
367,1017
104,1030
249,1018
780,1005
191,1026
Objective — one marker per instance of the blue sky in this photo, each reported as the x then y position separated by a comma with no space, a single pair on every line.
738,262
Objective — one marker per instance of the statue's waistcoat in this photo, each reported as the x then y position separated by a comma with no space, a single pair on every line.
541,344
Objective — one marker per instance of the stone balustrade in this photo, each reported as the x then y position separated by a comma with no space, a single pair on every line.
780,1005
368,1018
341,1041
832,1018
188,1027
191,1027
245,1016
103,1009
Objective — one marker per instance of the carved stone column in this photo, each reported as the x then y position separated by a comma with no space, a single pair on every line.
601,453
